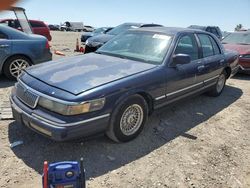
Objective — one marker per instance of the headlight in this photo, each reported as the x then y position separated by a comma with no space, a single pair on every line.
68,109
245,56
87,41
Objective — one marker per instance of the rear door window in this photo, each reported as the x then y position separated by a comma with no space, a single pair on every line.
215,46
187,45
206,44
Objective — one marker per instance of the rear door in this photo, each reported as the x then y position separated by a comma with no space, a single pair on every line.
5,47
181,79
213,59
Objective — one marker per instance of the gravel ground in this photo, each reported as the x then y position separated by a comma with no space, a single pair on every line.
198,142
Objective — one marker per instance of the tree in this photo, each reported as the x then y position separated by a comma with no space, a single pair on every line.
238,27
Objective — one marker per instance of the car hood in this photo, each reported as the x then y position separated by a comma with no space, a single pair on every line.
101,38
241,49
81,73
89,34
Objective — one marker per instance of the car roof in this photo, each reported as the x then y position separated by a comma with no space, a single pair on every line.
201,27
169,30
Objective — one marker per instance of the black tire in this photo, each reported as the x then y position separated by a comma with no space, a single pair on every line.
114,131
217,90
8,64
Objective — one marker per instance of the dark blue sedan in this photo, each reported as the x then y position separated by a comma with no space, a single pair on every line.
114,89
19,50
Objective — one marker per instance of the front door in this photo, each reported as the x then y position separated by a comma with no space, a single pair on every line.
181,79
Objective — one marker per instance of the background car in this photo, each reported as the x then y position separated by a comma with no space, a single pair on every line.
240,42
88,28
38,27
54,27
98,31
211,29
19,50
95,42
72,26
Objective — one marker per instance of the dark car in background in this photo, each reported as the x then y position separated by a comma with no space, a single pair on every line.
101,30
114,89
19,50
211,29
38,27
88,28
54,27
240,42
95,42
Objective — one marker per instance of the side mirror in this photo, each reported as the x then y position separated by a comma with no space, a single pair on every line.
181,59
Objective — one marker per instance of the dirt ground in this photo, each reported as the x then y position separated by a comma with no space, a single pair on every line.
198,142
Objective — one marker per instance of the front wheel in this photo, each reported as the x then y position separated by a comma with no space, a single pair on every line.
220,84
15,65
128,119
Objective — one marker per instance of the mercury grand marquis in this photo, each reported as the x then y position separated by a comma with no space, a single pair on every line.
114,90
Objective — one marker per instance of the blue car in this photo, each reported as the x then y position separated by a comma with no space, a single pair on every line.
115,89
19,51
102,30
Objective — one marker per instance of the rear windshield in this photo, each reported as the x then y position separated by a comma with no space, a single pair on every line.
121,28
237,38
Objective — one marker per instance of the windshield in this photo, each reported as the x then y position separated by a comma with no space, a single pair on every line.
121,28
237,38
139,46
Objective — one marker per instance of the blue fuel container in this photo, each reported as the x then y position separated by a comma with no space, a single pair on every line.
67,174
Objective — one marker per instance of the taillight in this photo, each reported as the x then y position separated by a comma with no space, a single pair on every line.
47,45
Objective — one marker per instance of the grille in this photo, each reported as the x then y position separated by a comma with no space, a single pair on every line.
26,96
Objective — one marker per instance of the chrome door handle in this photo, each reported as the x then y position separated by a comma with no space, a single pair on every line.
4,46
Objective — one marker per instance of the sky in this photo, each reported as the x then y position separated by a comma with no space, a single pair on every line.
178,13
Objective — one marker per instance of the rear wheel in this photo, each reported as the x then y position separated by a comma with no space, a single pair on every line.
128,119
15,65
218,88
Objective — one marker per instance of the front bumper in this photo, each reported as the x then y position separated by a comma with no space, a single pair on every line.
244,65
54,130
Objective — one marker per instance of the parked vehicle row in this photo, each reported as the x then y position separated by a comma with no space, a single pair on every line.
115,89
